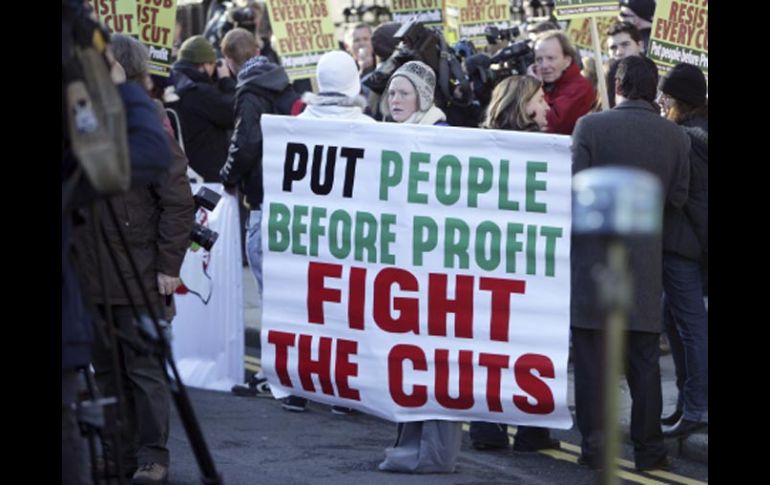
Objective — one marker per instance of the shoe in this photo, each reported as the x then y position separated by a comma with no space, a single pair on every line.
665,346
295,404
107,469
592,463
150,474
524,446
342,411
662,464
672,418
256,387
482,446
683,428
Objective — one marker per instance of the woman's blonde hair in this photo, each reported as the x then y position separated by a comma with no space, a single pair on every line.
507,108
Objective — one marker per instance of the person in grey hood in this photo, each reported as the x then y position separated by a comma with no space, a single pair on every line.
262,87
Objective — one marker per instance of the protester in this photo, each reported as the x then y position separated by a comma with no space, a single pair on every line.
421,446
632,134
569,94
685,256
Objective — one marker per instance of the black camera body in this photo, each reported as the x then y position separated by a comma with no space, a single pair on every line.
493,34
417,43
200,234
225,21
515,58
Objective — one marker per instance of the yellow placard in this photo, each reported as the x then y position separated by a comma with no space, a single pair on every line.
303,31
575,9
119,16
469,18
429,12
680,34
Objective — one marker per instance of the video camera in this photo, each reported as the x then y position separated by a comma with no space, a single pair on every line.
228,19
419,43
200,234
515,58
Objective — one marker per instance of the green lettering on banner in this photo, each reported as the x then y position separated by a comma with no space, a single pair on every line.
366,237
550,233
513,245
416,176
504,203
316,230
488,228
388,179
278,228
298,228
476,166
387,236
450,194
456,246
339,234
423,244
534,185
531,248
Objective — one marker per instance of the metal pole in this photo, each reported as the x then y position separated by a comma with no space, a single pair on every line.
616,289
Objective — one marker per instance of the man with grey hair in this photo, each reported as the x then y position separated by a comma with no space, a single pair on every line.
567,92
156,219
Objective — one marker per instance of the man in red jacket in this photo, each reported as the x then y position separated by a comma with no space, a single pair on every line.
567,92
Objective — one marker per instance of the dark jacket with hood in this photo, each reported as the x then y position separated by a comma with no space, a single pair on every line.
149,153
262,88
685,230
206,113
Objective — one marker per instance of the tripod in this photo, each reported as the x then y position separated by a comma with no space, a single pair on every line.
154,342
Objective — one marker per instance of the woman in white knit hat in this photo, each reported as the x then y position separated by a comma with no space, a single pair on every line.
421,446
409,96
338,90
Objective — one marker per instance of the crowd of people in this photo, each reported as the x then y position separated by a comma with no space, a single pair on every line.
222,89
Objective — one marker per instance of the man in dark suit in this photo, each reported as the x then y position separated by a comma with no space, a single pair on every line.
631,134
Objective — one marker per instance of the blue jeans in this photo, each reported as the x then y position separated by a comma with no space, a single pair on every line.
686,322
254,246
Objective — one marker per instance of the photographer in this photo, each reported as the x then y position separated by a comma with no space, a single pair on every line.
148,155
569,94
156,219
205,108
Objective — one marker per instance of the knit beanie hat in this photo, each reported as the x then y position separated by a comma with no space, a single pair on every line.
383,42
686,83
422,78
337,73
198,50
645,9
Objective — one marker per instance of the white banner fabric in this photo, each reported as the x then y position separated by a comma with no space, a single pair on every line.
208,337
417,272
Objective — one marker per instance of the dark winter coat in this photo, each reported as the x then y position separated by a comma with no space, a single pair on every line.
206,114
633,134
262,88
156,219
149,155
685,230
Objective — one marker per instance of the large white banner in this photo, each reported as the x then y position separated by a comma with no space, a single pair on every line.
417,272
208,329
